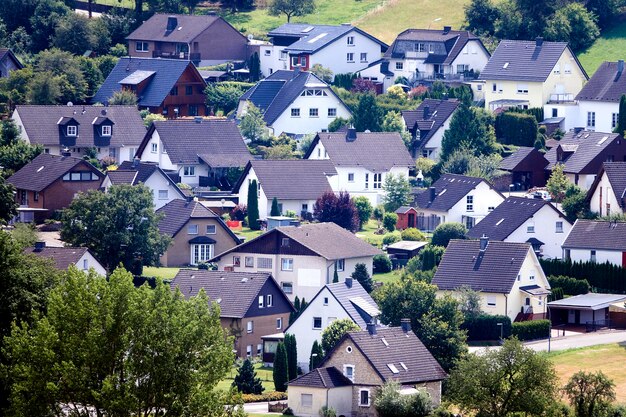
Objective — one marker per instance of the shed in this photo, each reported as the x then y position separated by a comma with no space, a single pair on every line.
277,221
406,217
590,309
401,252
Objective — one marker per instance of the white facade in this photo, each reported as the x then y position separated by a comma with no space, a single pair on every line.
584,181
272,59
591,115
603,199
87,262
598,255
163,190
307,401
432,149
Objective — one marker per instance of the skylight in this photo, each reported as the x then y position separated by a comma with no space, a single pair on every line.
308,29
443,191
500,221
393,368
318,37
40,168
385,342
506,65
404,366
604,138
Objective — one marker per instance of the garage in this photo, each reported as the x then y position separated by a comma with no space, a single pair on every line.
590,310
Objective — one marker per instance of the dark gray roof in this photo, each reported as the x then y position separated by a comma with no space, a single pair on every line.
439,112
580,149
524,61
354,300
508,217
187,29
122,176
6,52
454,41
449,190
63,257
616,174
296,179
607,84
233,291
400,348
40,124
177,213
136,172
218,142
167,72
597,234
494,270
510,162
45,169
376,151
312,38
329,377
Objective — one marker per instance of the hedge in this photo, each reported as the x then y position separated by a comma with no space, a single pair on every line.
529,330
267,396
602,277
485,327
516,129
381,264
569,285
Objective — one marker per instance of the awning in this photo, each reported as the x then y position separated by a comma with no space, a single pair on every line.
535,290
535,242
201,240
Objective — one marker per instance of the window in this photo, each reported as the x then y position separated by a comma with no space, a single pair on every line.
367,179
201,253
80,176
287,287
193,110
261,301
614,119
267,52
163,194
279,323
419,47
378,181
154,148
350,40
311,92
295,112
494,87
592,257
557,69
269,300
141,46
431,48
522,88
211,229
189,171
305,207
106,130
188,90
192,229
249,350
350,57
306,400
283,55
350,177
363,56
71,130
364,398
469,200
532,277
264,263
284,242
348,372
313,112
249,262
36,196
325,301
399,65
259,349
559,227
317,323
174,91
236,261
567,69
462,68
286,264
555,112
250,326
491,301
591,119
85,264
530,228
479,87
332,112
519,277
341,265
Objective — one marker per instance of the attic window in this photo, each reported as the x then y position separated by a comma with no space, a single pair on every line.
385,342
106,130
393,368
404,366
505,66
499,222
72,130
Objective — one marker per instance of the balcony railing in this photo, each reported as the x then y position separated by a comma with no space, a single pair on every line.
194,56
562,98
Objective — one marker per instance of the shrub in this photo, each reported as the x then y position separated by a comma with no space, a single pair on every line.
569,285
412,234
529,330
288,412
516,129
389,221
382,264
603,277
430,256
326,411
267,396
392,237
239,212
485,327
445,232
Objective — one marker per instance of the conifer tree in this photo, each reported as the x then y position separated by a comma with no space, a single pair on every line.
253,206
275,211
292,355
246,380
280,372
317,354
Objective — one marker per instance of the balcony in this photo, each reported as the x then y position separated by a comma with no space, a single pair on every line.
194,56
561,98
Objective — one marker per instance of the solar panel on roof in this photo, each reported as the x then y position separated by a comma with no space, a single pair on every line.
360,302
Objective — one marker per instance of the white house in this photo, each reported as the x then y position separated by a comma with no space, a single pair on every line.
427,124
64,257
302,259
596,241
507,275
294,102
337,301
362,160
521,220
455,198
607,194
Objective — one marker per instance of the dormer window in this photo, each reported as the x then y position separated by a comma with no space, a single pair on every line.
72,130
106,130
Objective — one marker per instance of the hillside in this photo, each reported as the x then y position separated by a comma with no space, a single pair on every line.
609,47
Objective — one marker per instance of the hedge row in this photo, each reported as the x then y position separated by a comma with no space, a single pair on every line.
602,277
267,396
485,327
516,129
529,330
570,286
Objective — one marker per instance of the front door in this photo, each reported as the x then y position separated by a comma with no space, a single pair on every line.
412,222
577,316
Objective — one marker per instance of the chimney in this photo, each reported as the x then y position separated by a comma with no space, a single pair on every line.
447,29
433,194
172,22
538,41
135,162
296,71
66,152
349,282
406,325
351,134
197,119
426,112
39,246
371,328
484,241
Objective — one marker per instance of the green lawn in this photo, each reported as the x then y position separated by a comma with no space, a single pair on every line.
368,234
248,233
122,3
163,273
262,372
605,48
388,276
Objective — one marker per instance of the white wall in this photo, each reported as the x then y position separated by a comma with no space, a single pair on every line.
570,111
484,197
608,197
334,56
272,62
433,147
602,256
474,55
604,113
584,180
88,261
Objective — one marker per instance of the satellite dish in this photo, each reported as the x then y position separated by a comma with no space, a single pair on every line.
250,37
70,104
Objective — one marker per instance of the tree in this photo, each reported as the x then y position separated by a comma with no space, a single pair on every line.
397,192
224,96
337,209
589,392
364,209
367,115
335,275
254,65
123,98
73,34
252,125
332,334
390,403
246,380
253,206
497,383
291,347
44,89
557,183
480,15
9,132
280,372
621,121
317,355
8,205
119,226
392,122
13,157
445,232
361,275
97,347
469,302
389,221
471,129
275,211
575,204
291,8
324,74
66,68
44,20
574,24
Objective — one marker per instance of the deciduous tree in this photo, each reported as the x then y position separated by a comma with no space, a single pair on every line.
337,209
335,331
364,209
445,232
291,8
557,183
589,392
8,205
397,192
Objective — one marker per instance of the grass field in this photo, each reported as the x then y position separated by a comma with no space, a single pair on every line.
264,373
248,233
163,273
606,48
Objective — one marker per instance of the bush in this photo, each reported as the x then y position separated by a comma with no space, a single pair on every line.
239,212
516,129
603,277
382,264
445,232
529,330
569,285
268,396
392,237
326,411
412,234
378,213
430,256
389,221
485,327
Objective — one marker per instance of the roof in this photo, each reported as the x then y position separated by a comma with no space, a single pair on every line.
6,52
525,61
217,142
512,161
507,217
329,377
589,301
295,179
597,235
63,257
233,291
177,213
607,84
439,111
398,348
616,174
580,149
136,172
166,74
449,190
375,151
494,270
122,176
40,124
409,245
45,169
357,303
187,29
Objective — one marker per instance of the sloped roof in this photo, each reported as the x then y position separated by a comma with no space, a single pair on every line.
353,299
45,169
607,84
616,174
449,190
439,111
167,72
6,52
177,213
187,29
508,217
122,176
329,377
63,257
376,151
40,124
510,162
597,234
583,147
135,172
494,270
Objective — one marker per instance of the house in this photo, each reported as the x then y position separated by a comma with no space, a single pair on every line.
336,301
507,275
454,198
204,39
197,152
592,309
341,48
302,259
197,233
607,194
8,62
251,304
528,74
596,241
582,154
296,184
520,220
362,160
163,188
49,183
294,102
171,87
427,124
64,257
352,374
527,167
112,132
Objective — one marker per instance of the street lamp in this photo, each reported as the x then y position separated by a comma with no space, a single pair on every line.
501,326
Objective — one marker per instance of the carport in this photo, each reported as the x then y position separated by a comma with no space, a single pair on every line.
590,310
